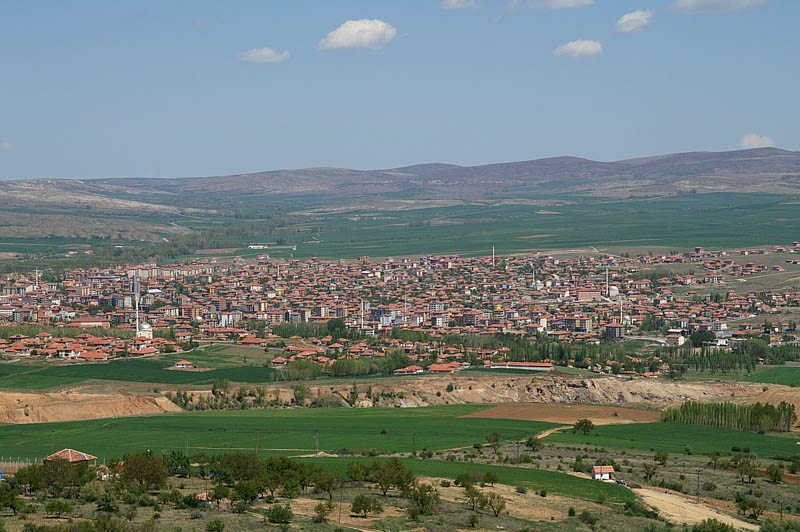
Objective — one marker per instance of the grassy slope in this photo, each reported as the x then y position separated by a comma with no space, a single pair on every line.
787,375
434,427
537,479
673,438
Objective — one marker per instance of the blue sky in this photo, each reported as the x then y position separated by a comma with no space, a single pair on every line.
187,88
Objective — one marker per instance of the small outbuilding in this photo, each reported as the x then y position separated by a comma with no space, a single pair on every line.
603,472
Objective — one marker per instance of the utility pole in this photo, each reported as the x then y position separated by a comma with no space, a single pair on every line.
413,444
187,443
341,496
256,443
698,486
52,441
518,455
316,441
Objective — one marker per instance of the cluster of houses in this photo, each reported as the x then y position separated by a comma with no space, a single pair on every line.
584,299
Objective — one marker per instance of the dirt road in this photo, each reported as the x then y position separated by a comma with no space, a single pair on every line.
682,509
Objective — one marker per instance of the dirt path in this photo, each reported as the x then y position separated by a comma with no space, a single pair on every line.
682,509
550,431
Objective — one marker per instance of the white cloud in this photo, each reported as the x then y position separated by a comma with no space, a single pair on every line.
715,6
751,140
264,55
580,48
458,4
5,145
516,5
364,33
634,21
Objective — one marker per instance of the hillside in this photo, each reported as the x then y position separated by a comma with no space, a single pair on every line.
767,169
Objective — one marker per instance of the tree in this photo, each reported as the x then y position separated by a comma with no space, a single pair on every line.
496,502
144,469
533,443
326,481
650,471
474,497
584,425
493,439
490,477
661,457
220,492
246,490
712,525
424,498
364,505
748,468
58,507
9,496
177,463
775,473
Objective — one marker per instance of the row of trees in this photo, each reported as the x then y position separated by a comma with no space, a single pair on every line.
756,417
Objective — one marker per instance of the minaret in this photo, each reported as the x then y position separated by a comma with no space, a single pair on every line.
492,256
608,291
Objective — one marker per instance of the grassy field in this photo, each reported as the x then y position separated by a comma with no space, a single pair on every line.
30,377
787,375
536,479
673,438
677,222
278,431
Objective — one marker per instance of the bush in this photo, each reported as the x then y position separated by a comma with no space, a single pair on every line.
280,514
712,525
587,518
571,512
196,513
445,483
364,505
522,489
215,525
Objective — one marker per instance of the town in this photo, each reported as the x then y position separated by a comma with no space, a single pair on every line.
582,300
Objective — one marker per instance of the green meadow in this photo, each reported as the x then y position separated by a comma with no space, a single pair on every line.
674,437
535,479
786,375
285,431
234,363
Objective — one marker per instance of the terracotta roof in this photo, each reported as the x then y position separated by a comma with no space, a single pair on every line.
71,455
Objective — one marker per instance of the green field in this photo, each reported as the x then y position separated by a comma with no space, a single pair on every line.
786,375
29,377
673,437
536,479
288,431
723,220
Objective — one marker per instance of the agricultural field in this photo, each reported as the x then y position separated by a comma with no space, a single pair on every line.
24,377
674,438
786,375
234,363
286,431
678,222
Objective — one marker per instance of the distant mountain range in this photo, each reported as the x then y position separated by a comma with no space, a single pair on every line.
757,170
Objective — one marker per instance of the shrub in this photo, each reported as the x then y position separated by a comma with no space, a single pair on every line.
587,518
571,512
280,514
522,489
215,525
